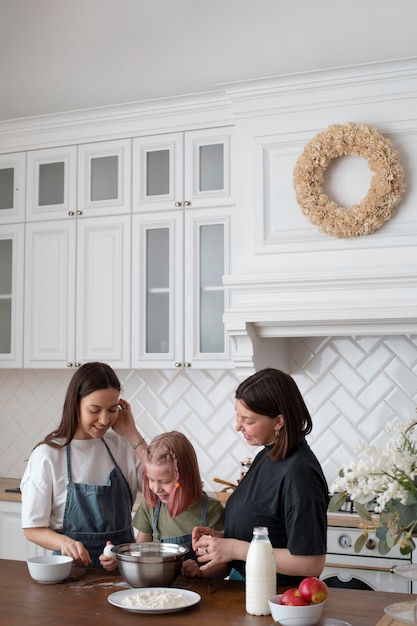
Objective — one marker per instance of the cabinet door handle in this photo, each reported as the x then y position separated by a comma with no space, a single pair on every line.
69,364
70,213
187,364
177,364
79,212
187,203
178,204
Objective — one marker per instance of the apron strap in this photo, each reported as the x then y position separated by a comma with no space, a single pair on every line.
158,508
69,473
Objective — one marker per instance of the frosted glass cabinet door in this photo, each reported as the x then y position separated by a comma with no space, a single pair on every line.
207,167
12,187
157,290
188,170
11,295
179,260
205,337
51,183
158,172
104,177
211,304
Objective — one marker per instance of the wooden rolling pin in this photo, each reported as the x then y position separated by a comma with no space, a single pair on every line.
224,482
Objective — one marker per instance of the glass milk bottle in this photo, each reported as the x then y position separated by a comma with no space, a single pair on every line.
260,573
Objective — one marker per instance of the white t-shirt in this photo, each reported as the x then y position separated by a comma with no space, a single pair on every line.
44,482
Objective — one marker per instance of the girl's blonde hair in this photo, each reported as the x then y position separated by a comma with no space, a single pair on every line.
175,450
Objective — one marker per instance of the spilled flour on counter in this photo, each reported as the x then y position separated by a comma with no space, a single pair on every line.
155,600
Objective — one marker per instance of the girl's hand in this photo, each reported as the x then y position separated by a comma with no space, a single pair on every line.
191,569
109,563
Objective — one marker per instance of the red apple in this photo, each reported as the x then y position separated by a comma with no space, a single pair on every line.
292,597
313,590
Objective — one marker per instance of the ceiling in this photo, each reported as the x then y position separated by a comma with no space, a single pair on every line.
63,55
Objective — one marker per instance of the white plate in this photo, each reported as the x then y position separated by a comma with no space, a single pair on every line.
117,599
329,621
324,621
406,571
401,611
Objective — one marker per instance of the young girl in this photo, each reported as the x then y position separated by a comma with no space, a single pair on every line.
82,479
174,498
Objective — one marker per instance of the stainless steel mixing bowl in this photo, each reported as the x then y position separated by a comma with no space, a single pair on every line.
150,564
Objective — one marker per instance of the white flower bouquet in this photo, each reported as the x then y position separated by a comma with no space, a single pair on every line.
387,479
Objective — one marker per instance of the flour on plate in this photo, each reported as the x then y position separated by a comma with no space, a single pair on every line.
155,600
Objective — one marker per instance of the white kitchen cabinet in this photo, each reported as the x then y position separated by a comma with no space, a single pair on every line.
77,292
89,180
179,258
104,178
11,295
13,543
51,183
12,187
189,169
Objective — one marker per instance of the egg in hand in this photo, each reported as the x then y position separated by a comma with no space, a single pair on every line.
107,550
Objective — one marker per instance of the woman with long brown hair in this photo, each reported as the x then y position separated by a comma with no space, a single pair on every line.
82,479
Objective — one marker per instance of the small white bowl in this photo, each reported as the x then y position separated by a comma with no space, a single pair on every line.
49,569
295,615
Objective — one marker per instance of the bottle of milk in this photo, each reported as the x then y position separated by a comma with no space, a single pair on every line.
260,573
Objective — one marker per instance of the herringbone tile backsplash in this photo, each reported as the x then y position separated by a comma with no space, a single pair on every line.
352,386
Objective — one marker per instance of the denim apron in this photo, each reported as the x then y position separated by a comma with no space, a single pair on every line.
182,540
95,514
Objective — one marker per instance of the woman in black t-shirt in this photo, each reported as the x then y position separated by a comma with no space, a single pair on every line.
284,488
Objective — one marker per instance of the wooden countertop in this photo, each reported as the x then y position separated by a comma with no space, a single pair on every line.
82,600
348,520
9,483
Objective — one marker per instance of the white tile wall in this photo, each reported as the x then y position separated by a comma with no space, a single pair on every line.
352,386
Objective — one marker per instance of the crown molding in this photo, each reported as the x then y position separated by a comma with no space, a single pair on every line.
122,121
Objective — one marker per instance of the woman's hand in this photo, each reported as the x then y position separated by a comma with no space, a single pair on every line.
125,423
203,531
52,540
126,427
77,550
214,551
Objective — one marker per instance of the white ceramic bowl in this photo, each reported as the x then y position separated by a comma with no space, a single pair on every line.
51,568
295,615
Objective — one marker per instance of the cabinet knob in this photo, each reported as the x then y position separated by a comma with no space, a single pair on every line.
69,364
79,212
77,364
70,213
187,203
178,203
187,364
177,364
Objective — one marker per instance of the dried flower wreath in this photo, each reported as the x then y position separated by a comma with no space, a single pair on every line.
384,194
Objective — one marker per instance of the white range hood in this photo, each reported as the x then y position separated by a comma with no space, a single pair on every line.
266,307
286,278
